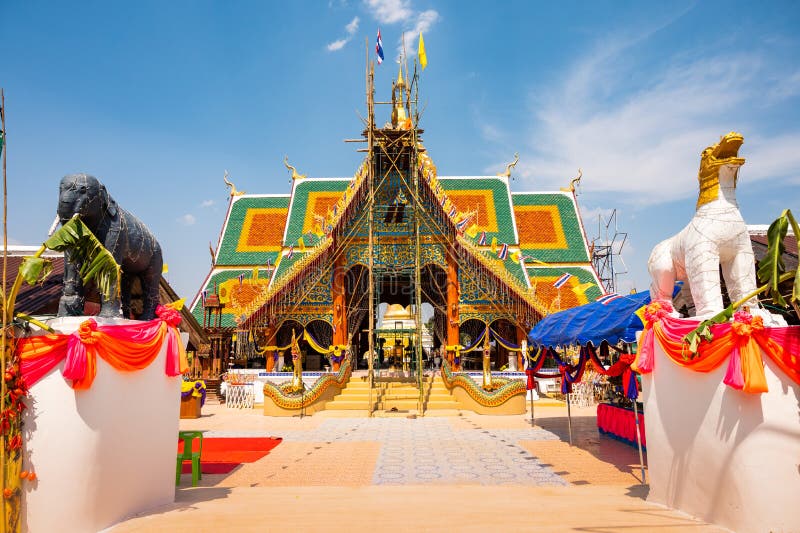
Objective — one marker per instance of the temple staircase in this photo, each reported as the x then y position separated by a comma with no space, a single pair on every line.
395,396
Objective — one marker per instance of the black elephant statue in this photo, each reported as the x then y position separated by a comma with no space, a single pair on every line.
134,248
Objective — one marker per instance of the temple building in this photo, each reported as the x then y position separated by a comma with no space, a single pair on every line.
464,254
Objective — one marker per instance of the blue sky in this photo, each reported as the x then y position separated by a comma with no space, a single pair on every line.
157,99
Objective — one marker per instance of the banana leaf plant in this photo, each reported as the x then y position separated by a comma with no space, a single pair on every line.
98,265
771,272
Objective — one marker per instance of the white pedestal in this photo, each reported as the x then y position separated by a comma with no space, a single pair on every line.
725,456
101,454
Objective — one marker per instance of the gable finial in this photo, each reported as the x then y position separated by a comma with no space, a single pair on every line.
234,191
295,174
507,173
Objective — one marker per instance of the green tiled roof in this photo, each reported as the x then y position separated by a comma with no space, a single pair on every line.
491,190
549,228
238,249
215,280
285,264
542,279
304,192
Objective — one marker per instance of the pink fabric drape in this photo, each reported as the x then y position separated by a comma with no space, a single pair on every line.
126,347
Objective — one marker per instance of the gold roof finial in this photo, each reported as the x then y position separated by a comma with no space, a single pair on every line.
574,182
399,116
234,191
507,173
295,174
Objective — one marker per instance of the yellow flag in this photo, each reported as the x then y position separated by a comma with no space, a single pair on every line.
255,273
472,231
494,244
582,288
423,58
165,268
302,244
516,256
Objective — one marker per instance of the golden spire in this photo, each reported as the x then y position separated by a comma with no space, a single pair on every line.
400,118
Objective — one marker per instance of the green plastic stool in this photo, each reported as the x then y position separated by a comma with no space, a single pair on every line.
188,455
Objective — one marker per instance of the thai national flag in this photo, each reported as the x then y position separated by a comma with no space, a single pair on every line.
560,282
379,47
290,253
453,211
482,239
241,279
503,253
203,296
608,298
461,226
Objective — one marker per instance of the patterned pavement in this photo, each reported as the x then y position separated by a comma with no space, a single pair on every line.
432,451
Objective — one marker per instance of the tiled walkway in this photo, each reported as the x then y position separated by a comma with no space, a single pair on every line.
431,450
461,473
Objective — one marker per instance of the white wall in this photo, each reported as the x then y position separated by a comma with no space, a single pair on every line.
101,454
726,456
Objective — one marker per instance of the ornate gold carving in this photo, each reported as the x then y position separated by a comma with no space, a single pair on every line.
574,182
507,173
725,152
295,174
231,186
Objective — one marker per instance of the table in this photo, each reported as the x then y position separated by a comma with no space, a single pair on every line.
618,423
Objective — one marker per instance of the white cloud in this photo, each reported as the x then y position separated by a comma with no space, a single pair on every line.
413,22
351,28
207,203
425,21
187,220
645,143
337,45
389,11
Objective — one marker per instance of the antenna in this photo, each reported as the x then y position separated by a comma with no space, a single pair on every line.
606,251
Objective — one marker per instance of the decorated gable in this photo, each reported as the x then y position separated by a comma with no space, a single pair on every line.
253,232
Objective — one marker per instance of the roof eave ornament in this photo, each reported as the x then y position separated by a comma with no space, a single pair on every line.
574,183
507,173
295,174
231,186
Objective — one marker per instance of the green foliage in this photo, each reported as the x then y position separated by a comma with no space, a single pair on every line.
35,269
703,330
96,262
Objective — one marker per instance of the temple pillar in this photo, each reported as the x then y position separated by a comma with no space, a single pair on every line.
522,335
269,339
452,309
339,308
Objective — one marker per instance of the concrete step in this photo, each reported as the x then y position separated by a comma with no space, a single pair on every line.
442,404
347,405
399,404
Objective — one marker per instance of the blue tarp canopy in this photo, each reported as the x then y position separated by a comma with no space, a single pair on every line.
594,322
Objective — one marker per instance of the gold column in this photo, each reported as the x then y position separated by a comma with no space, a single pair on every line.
339,309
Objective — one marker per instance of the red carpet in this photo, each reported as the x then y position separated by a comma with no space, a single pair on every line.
223,454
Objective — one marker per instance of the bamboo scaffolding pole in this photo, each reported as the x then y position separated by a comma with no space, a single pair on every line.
3,348
371,244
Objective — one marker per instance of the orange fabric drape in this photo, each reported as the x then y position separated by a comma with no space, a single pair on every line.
125,347
744,335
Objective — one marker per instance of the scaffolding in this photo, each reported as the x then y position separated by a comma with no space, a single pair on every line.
392,214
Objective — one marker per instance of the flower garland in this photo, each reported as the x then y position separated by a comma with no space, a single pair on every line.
194,389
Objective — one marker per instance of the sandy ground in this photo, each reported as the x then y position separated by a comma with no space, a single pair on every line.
462,473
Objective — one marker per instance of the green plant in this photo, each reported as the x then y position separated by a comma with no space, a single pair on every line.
98,266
